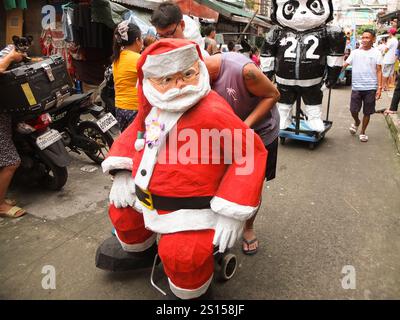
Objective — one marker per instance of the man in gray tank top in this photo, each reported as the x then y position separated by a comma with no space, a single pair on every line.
253,97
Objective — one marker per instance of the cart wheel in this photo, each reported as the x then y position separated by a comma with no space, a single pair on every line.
228,266
311,145
283,141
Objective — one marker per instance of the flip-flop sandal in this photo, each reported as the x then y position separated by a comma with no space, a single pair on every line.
248,243
14,212
353,128
363,138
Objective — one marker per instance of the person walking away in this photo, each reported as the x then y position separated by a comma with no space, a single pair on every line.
9,158
396,94
389,58
210,43
127,47
366,82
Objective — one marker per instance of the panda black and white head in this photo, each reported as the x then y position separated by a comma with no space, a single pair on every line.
302,15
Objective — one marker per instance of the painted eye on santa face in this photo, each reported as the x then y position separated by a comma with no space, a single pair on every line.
316,6
188,74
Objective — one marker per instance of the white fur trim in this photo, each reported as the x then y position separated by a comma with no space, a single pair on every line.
137,247
170,62
149,159
180,220
231,209
298,82
111,163
189,293
335,61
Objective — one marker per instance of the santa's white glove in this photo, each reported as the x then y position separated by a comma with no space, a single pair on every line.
122,192
227,231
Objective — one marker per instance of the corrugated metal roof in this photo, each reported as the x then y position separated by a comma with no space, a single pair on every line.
151,5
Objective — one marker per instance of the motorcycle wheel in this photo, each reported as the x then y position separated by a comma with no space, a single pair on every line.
56,177
102,139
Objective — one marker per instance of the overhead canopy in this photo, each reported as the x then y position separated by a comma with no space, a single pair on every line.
108,13
389,16
233,13
111,14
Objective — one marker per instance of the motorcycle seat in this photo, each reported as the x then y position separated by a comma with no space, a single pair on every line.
75,98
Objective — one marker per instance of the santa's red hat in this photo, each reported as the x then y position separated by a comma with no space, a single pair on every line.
162,58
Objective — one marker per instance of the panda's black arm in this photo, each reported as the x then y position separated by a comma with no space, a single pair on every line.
336,47
268,51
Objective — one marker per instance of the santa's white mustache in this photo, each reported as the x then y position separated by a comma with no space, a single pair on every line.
178,93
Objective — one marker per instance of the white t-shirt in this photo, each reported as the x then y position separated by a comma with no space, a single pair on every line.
390,56
364,64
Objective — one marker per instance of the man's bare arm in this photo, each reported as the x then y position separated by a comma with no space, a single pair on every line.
259,85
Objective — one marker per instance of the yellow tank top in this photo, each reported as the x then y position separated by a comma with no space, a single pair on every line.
125,80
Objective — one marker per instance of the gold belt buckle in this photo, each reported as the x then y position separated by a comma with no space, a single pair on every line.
148,201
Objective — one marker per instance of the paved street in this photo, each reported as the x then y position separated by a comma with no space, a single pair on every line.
334,206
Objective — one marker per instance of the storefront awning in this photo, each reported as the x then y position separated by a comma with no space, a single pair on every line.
232,13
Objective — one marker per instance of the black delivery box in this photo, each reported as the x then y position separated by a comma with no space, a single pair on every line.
35,87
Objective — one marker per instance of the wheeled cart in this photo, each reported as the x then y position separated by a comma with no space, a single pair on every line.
225,265
299,130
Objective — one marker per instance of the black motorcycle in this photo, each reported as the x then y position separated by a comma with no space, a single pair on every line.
44,158
78,131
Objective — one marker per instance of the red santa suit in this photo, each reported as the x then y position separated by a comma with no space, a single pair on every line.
191,205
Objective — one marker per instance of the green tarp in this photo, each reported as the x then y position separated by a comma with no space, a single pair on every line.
108,13
15,4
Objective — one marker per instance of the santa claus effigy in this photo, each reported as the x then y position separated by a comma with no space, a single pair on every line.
187,173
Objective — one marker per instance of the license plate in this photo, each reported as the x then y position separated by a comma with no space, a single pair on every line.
107,122
47,139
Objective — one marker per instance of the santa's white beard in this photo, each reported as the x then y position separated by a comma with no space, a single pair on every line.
179,100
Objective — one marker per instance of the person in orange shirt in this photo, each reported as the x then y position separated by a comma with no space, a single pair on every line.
127,47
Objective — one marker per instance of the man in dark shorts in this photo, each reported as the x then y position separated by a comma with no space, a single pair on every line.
249,92
252,97
366,82
9,158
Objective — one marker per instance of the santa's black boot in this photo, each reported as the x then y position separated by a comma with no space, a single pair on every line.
110,256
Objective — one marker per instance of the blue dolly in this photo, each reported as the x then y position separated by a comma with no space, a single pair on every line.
299,130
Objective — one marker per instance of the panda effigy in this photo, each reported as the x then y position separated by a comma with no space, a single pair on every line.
300,51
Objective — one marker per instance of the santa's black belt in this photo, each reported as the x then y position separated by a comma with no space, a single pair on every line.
153,201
